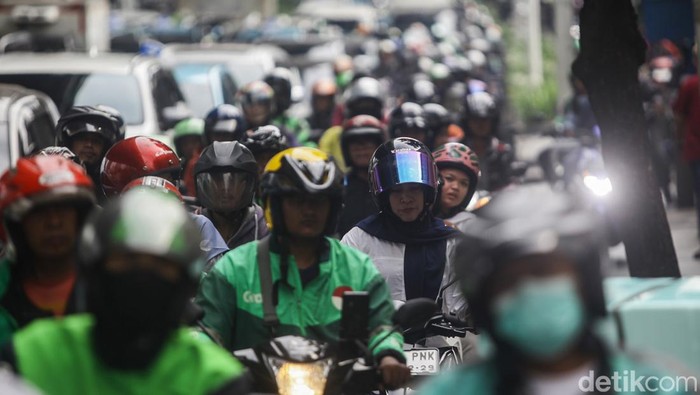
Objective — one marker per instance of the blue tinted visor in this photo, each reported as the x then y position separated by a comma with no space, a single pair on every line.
403,168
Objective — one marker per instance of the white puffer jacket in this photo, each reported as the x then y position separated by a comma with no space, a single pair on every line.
388,257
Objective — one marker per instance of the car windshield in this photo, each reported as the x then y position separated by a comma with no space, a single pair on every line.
67,90
118,91
194,81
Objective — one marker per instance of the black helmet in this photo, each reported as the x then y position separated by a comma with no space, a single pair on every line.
436,117
300,170
224,119
226,176
360,126
364,96
530,220
89,119
408,117
402,161
280,80
266,138
117,116
480,105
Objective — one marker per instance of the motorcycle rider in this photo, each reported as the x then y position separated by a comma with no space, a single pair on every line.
89,131
301,190
224,122
459,172
227,176
141,156
363,97
141,264
412,249
258,102
189,142
264,143
322,107
496,157
212,244
280,80
137,157
408,120
530,268
362,134
43,201
440,124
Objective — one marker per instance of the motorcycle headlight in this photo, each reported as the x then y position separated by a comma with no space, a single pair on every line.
599,186
295,378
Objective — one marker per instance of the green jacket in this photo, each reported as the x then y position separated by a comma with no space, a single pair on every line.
57,356
299,127
8,324
230,295
482,378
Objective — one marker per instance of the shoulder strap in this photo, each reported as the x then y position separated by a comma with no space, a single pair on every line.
266,287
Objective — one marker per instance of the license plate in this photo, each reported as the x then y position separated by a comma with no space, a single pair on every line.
423,360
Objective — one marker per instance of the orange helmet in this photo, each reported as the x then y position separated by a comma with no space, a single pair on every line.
41,181
324,87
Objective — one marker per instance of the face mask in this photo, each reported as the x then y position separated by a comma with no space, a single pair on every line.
541,318
135,315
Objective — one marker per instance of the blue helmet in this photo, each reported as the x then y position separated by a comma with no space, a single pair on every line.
224,123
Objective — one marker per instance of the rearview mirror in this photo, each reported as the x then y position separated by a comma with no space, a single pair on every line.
415,313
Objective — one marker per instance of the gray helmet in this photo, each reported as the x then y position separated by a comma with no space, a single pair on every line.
526,221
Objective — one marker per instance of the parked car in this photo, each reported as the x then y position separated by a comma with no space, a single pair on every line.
246,62
139,87
205,85
27,122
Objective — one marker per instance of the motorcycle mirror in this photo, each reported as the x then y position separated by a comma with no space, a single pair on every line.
414,313
441,294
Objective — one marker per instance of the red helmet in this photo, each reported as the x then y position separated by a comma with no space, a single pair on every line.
459,156
136,157
39,181
154,182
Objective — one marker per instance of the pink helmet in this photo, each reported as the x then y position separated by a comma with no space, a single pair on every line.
459,156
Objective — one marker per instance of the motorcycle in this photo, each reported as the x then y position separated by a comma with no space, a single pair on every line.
435,345
293,365
576,166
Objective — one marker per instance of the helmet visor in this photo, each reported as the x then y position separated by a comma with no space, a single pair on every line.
225,191
225,126
102,128
407,167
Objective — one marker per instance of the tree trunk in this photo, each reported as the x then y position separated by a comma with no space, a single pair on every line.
612,49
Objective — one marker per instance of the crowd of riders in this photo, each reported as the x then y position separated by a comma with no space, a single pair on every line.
130,266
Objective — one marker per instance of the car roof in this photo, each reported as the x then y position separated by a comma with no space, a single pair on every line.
71,62
221,52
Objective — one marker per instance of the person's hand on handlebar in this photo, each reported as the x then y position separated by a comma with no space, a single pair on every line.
394,373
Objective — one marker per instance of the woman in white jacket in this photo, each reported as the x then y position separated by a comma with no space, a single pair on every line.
412,249
459,171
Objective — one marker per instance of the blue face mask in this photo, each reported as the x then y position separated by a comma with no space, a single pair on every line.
541,317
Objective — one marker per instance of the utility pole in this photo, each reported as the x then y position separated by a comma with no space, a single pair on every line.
563,18
535,43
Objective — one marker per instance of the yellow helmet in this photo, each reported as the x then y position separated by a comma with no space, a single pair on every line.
300,170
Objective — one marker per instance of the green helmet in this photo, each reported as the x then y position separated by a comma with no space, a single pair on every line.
190,127
143,221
